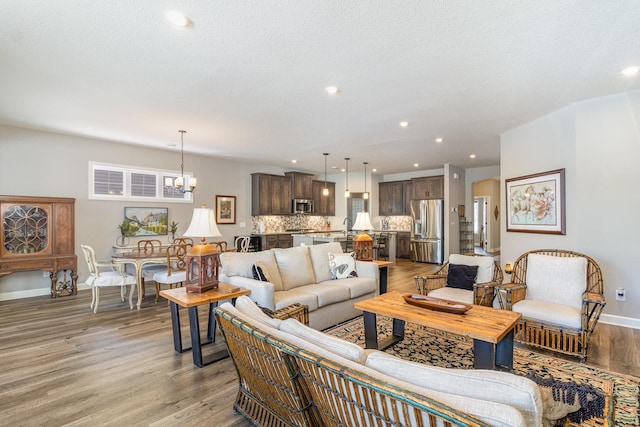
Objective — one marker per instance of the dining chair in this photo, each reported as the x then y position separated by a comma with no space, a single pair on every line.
149,247
182,241
221,246
242,243
105,273
174,271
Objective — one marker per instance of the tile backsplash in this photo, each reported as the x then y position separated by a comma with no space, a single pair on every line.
278,223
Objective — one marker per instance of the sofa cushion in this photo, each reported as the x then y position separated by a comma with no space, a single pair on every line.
335,345
549,312
453,294
342,265
462,276
319,255
357,286
295,267
560,280
484,263
245,305
241,264
327,293
501,387
285,298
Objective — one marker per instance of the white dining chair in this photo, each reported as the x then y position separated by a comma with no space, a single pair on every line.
105,273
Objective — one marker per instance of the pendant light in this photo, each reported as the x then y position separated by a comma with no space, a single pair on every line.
179,184
346,192
325,191
365,196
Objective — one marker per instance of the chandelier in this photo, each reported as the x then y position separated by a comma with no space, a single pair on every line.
181,184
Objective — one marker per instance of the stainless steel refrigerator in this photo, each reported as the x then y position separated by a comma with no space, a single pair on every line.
427,238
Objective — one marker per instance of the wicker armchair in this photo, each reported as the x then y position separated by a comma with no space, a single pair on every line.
483,293
545,334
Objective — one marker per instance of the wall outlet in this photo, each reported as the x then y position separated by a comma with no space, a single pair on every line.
242,224
621,294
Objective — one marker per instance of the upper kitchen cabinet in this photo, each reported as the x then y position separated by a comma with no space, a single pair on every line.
324,205
270,194
428,187
301,185
407,187
391,198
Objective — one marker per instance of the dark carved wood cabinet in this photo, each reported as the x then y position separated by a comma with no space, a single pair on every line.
38,233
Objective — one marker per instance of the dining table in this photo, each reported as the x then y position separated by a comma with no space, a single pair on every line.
139,259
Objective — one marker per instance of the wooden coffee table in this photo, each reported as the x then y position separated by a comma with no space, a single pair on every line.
191,301
490,329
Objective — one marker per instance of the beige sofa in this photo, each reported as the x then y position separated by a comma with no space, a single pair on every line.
302,274
290,374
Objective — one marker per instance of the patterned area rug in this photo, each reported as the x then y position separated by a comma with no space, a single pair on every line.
438,348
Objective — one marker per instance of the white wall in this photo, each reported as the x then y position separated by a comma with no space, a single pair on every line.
34,163
597,142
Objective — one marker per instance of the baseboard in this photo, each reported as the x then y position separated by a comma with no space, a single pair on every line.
627,322
7,296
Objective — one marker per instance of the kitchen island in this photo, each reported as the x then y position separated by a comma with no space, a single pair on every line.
340,236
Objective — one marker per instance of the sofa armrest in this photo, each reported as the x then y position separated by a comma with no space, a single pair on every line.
368,269
261,292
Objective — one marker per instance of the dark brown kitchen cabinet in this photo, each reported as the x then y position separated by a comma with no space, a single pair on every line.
270,194
404,244
428,187
324,205
280,195
407,190
272,241
391,198
301,185
38,233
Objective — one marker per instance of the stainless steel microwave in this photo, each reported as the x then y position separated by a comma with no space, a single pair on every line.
301,206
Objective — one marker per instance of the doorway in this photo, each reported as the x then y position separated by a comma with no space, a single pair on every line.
480,223
355,203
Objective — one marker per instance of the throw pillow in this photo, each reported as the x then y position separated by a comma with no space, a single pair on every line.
342,265
260,272
462,276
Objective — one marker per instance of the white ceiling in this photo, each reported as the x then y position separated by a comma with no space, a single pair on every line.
246,79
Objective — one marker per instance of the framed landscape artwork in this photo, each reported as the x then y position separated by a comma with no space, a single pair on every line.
140,222
226,209
535,203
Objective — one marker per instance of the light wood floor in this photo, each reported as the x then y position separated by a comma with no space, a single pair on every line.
63,365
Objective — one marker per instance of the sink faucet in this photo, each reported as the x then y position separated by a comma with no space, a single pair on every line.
347,221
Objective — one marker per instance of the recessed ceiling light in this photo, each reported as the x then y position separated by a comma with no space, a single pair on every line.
415,165
177,19
332,90
294,161
335,167
404,124
439,140
631,71
473,156
374,170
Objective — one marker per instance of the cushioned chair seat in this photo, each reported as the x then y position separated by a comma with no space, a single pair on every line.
549,312
175,277
111,278
453,294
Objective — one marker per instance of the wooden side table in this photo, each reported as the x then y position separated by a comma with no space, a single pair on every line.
383,266
191,301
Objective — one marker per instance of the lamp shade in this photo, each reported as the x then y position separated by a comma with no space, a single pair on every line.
363,222
203,224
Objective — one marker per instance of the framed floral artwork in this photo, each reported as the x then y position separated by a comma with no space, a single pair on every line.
536,203
226,209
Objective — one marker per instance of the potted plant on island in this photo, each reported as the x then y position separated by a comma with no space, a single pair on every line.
173,228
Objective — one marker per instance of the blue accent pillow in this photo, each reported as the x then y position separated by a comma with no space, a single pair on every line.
462,276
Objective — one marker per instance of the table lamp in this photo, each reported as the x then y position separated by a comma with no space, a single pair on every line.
362,242
203,260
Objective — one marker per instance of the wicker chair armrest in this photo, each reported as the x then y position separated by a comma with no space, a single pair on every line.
297,311
427,283
486,285
593,297
510,293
